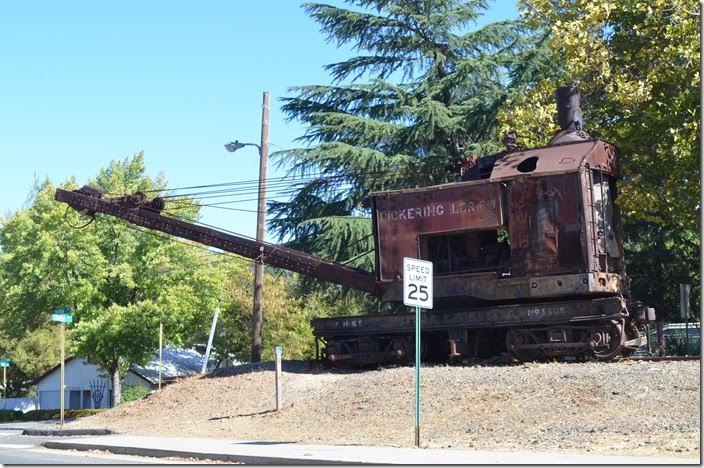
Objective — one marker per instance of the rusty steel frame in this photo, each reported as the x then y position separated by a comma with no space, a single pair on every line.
484,317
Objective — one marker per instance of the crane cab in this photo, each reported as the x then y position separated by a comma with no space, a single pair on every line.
542,224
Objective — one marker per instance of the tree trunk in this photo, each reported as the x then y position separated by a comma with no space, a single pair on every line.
116,386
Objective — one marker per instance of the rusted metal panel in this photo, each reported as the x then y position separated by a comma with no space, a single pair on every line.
604,157
543,161
490,287
601,255
401,216
546,229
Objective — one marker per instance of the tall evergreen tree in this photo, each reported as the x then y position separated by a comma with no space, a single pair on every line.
424,91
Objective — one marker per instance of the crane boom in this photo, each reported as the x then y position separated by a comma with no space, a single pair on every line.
137,210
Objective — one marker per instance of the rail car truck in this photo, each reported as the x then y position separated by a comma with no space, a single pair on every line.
527,250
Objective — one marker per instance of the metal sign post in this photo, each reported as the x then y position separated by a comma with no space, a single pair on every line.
161,342
4,363
63,316
417,376
418,293
63,385
279,351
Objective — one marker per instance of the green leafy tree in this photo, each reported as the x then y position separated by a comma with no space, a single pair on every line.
424,91
133,393
31,356
288,314
637,65
121,281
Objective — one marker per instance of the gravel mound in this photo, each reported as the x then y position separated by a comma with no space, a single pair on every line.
625,408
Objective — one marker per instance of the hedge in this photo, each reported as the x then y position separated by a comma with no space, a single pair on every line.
39,415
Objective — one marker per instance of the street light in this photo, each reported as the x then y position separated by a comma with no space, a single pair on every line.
257,313
235,145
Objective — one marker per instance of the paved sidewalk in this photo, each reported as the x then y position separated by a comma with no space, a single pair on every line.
287,453
21,425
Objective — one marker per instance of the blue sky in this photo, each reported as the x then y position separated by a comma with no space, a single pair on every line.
83,83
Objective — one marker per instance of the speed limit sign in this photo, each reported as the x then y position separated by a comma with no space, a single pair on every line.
417,283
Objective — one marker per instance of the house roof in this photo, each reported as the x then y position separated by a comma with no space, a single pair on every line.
176,363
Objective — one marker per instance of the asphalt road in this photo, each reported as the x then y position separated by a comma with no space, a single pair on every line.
18,449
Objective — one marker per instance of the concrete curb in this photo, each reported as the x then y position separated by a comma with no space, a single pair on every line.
162,453
66,432
285,453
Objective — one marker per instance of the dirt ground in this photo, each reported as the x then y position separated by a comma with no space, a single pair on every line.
620,408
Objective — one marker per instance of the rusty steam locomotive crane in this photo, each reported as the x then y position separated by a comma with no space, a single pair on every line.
527,251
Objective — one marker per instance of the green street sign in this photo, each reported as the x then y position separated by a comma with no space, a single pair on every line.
5,362
65,318
62,310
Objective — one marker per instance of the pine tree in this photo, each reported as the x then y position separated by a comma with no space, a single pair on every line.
424,91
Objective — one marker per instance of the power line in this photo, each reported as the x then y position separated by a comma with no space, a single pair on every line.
229,194
249,186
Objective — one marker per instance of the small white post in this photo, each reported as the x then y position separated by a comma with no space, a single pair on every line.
279,351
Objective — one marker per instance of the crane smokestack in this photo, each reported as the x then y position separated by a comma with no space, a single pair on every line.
569,112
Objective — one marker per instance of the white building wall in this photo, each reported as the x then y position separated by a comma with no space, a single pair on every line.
133,379
77,377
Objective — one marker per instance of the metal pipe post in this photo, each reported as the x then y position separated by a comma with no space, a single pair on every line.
417,376
161,341
257,313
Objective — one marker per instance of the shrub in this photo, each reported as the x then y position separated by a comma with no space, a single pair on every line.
10,415
133,392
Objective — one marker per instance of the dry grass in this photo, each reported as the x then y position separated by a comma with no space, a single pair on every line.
629,408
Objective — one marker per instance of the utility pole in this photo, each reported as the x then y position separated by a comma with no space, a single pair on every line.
257,312
257,308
